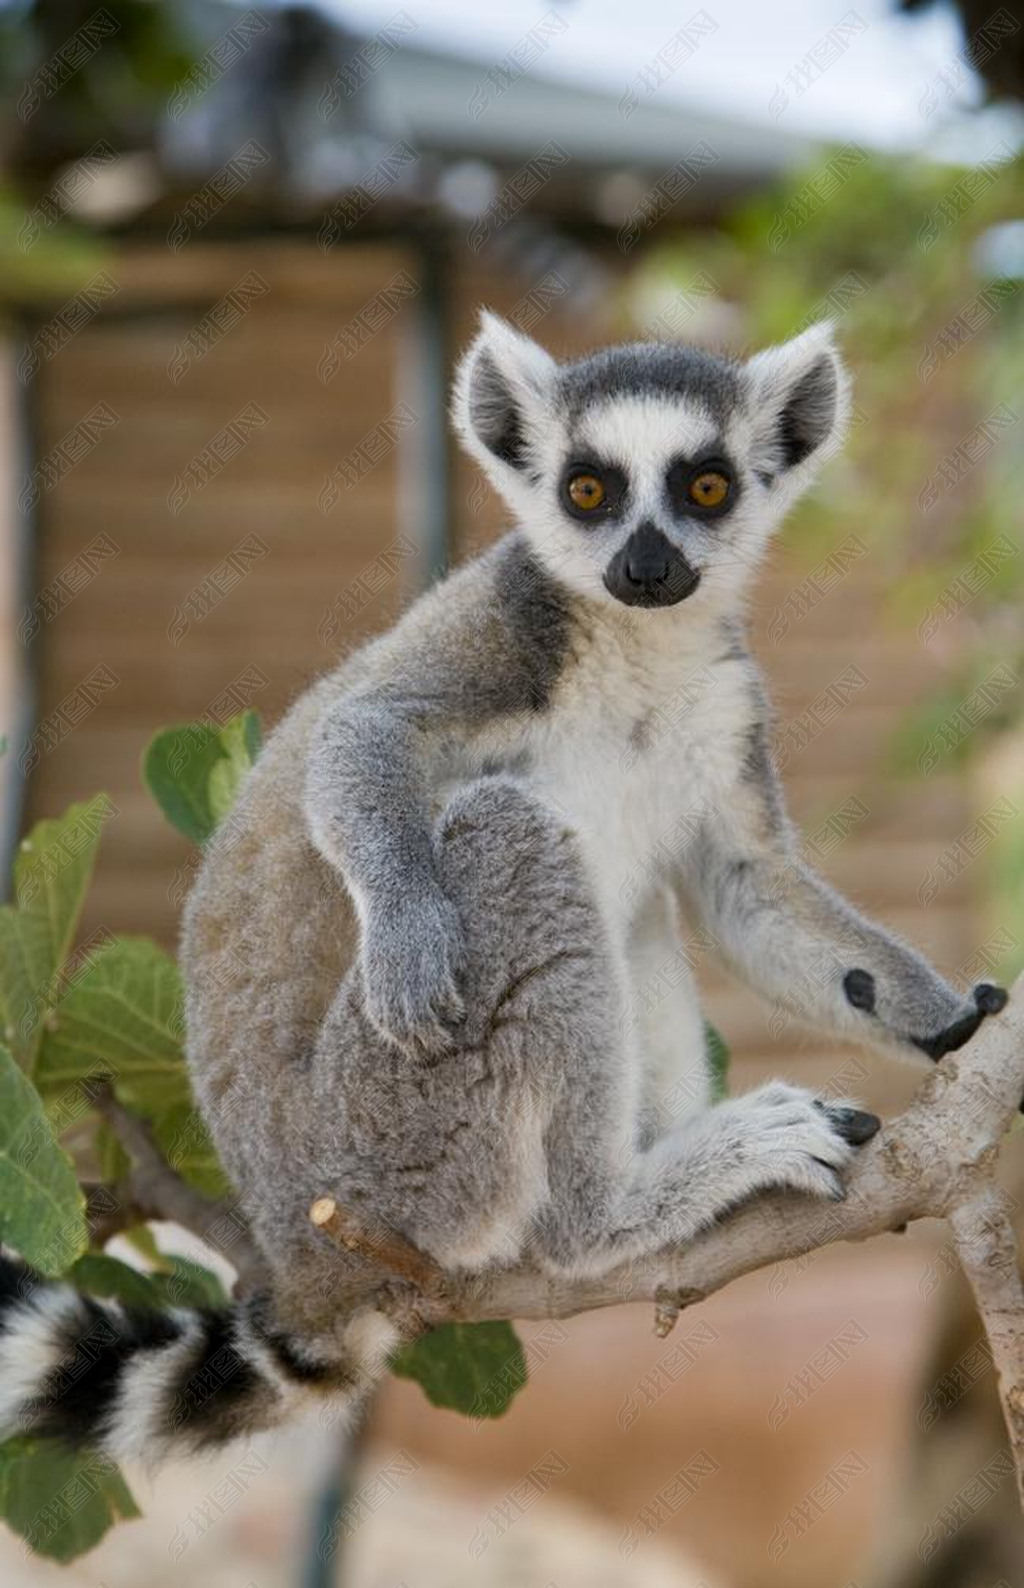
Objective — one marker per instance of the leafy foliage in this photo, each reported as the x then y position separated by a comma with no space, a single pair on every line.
60,1503
98,1274
183,1283
36,261
473,1368
51,876
41,1206
121,1018
110,1011
123,1021
176,1282
194,772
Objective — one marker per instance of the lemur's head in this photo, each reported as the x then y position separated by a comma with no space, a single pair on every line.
647,472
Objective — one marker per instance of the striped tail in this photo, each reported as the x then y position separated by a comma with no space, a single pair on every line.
143,1384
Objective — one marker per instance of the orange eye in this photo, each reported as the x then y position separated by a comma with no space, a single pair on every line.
709,489
586,492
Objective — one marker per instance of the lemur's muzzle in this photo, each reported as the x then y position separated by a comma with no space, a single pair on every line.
649,571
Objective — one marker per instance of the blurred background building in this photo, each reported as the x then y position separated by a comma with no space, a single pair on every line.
239,249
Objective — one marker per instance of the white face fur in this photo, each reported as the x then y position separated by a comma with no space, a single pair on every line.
650,475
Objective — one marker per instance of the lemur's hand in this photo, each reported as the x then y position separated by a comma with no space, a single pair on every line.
923,1010
412,954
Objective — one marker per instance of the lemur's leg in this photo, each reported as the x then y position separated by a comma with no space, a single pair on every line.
544,993
778,1137
524,1132
452,1148
663,1013
801,944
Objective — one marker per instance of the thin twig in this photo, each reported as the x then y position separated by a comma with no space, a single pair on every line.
153,1190
109,1211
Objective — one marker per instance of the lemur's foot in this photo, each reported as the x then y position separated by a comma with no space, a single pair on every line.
789,1139
411,959
985,999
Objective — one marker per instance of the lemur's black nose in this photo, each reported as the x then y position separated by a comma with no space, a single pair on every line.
648,571
647,555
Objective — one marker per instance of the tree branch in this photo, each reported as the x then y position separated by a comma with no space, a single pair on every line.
935,1160
987,1249
152,1190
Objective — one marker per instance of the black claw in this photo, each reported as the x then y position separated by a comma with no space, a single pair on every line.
859,987
989,998
855,1125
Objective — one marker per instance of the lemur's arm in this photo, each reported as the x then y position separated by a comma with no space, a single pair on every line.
801,944
368,806
472,654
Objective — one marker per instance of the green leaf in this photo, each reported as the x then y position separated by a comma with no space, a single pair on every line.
194,772
473,1368
122,1019
718,1060
242,740
181,1134
176,768
100,1275
60,1502
141,1237
51,875
42,1210
188,1284
178,1282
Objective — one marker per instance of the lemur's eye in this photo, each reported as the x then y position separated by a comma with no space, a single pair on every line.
709,488
586,492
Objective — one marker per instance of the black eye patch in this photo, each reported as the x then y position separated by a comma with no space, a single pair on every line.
613,484
705,487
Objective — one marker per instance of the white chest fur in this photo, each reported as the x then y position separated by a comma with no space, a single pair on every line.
639,741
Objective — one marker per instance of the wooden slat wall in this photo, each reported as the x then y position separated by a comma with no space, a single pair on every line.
269,489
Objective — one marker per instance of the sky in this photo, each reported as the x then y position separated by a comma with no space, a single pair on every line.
885,64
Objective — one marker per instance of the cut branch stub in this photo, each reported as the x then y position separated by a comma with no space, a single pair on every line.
385,1247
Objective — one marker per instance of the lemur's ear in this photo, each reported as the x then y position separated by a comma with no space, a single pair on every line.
799,400
501,388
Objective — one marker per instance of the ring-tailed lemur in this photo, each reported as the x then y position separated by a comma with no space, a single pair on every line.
419,953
